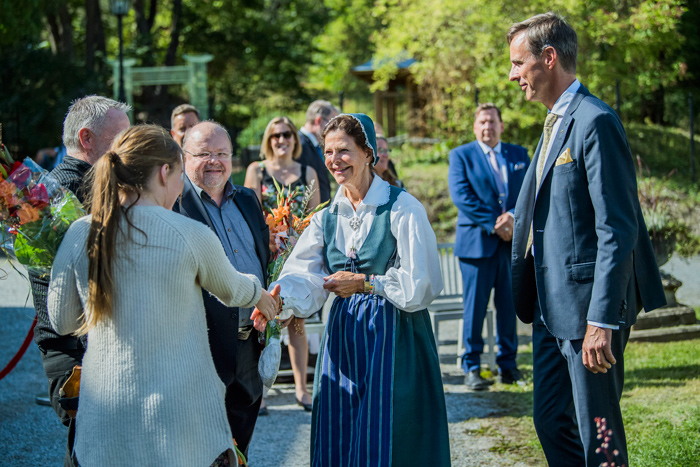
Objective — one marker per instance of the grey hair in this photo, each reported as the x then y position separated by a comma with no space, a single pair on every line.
549,30
322,108
216,124
87,112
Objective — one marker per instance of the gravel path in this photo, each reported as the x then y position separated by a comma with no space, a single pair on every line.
32,435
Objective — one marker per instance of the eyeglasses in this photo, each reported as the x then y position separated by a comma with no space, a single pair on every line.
384,151
284,134
207,155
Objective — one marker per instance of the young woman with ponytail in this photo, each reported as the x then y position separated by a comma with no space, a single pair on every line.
130,277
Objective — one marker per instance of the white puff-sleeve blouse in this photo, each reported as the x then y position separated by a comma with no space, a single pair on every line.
410,286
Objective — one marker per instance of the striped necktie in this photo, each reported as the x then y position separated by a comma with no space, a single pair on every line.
548,127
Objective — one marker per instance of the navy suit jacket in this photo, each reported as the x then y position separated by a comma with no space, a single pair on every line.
310,156
593,257
474,192
222,321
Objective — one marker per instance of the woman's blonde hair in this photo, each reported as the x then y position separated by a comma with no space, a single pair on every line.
266,146
126,168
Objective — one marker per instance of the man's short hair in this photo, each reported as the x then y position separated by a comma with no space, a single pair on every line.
322,108
182,109
216,124
549,30
487,106
87,112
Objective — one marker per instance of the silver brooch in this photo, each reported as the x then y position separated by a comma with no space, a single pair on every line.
355,223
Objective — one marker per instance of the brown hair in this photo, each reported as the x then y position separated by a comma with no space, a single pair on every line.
126,168
266,146
549,30
183,109
487,106
351,127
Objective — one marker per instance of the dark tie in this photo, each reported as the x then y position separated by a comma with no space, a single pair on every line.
548,127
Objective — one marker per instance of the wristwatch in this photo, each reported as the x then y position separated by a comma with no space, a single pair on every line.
368,284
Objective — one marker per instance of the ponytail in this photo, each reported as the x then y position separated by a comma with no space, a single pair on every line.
106,214
125,169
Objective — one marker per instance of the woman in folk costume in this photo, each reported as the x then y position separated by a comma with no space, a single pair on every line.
378,396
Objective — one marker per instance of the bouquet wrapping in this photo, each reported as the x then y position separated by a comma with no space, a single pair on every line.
286,225
35,213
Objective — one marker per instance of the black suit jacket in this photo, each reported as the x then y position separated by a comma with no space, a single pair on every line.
222,321
309,156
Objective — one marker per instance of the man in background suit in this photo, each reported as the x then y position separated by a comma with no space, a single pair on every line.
484,179
318,115
583,264
234,214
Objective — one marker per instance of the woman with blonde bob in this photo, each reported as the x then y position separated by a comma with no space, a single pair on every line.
281,148
130,277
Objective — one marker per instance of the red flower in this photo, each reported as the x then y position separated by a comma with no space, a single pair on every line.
20,174
38,196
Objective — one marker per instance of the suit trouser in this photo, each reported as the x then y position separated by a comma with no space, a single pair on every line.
568,398
479,276
244,395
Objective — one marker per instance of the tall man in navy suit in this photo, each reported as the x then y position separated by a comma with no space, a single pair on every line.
485,178
583,265
234,214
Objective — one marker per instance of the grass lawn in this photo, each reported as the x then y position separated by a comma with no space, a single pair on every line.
660,406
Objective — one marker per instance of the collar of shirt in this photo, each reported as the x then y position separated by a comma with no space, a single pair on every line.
562,104
486,148
229,190
311,136
377,195
560,107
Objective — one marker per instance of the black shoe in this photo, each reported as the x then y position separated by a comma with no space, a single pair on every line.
510,376
307,407
475,382
262,412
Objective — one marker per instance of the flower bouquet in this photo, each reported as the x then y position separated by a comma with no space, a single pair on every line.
286,227
35,212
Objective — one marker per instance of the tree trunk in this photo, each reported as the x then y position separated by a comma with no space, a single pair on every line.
66,32
95,35
171,54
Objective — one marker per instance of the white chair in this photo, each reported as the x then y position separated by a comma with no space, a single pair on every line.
448,306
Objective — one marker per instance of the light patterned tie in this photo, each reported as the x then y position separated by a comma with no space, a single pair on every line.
548,127
494,163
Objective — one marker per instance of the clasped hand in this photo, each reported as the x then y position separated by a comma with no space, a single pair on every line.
344,283
504,227
268,307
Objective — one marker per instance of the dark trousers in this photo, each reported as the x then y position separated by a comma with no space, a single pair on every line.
568,398
244,395
58,366
479,276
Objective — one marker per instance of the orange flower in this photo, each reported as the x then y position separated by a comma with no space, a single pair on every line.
8,193
27,213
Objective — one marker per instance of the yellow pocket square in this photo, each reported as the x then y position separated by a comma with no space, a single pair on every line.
564,158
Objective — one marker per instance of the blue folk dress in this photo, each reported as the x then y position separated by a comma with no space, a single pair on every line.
378,396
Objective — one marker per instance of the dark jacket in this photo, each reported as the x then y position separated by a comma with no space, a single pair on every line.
311,157
222,321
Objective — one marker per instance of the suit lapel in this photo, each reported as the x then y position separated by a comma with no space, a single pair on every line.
248,209
562,133
191,205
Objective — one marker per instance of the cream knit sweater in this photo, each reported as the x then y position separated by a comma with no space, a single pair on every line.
150,395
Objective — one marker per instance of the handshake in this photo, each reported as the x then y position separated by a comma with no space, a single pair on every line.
268,308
